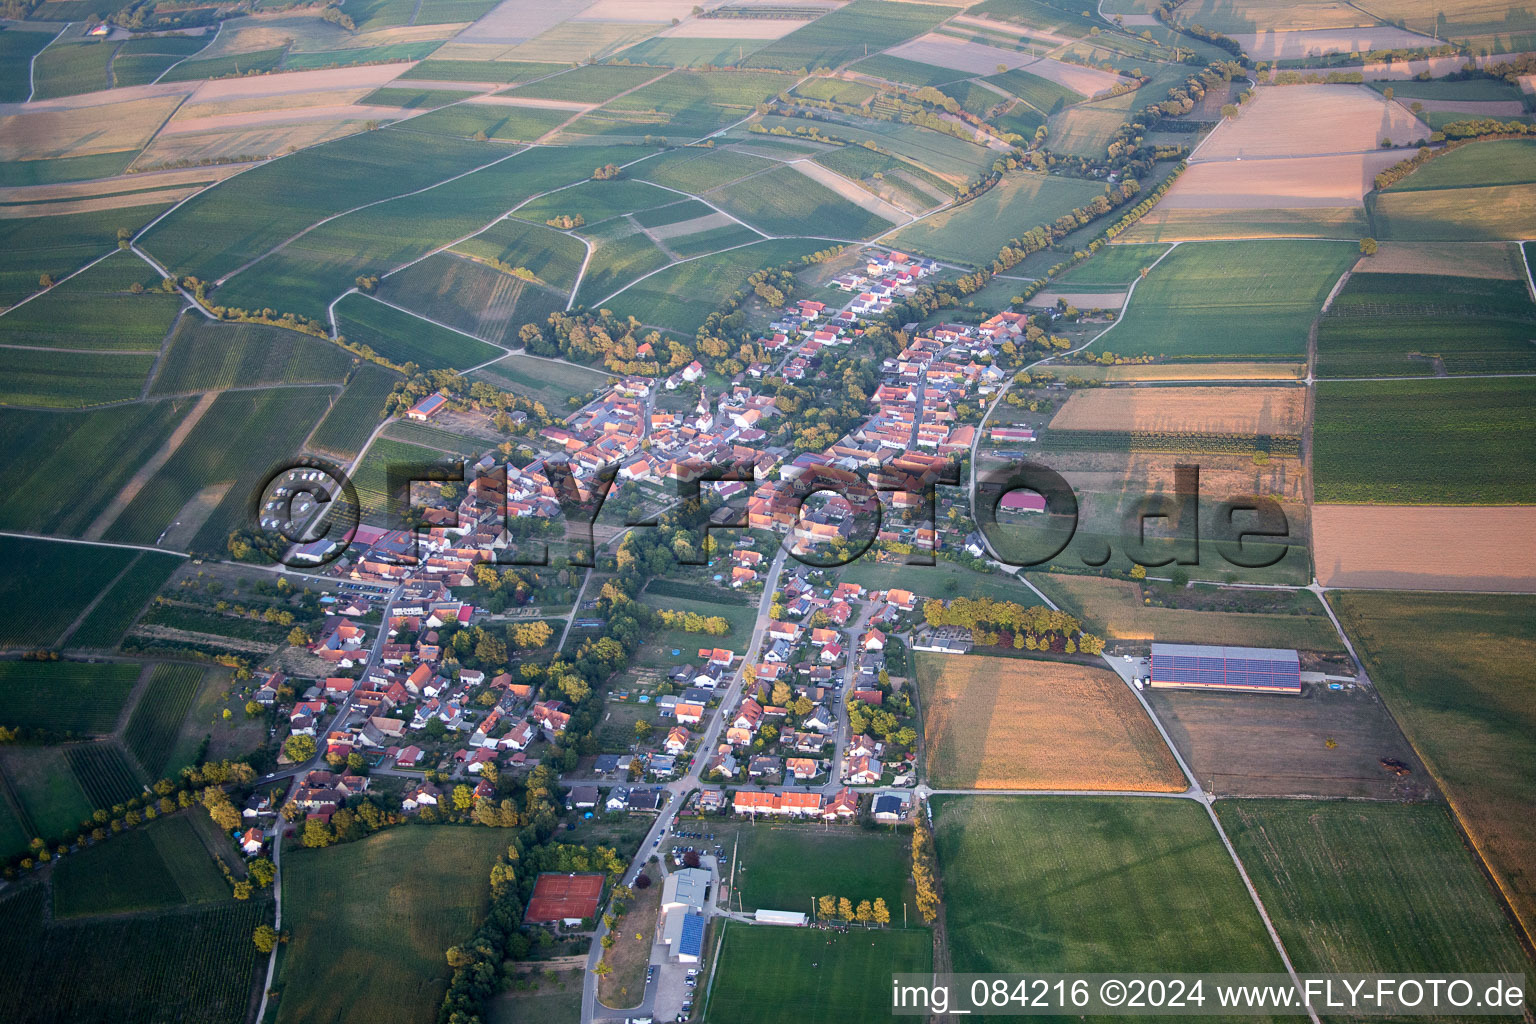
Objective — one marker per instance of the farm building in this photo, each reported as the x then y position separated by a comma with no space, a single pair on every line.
426,408
1248,669
564,899
683,932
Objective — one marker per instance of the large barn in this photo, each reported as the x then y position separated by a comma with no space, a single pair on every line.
1244,669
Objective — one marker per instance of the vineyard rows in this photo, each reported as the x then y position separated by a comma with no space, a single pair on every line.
104,773
152,729
1278,445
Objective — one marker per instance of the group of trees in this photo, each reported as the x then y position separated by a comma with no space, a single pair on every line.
924,875
841,908
693,622
1035,627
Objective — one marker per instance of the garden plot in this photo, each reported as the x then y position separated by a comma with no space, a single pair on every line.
1311,120
1281,45
1425,547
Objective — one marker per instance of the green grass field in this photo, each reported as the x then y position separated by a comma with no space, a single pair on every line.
1111,265
1439,441
771,867
854,31
415,99
1044,95
356,413
596,201
308,273
96,310
1466,214
50,797
495,120
620,254
18,45
908,72
205,356
156,719
402,338
38,378
65,696
217,453
973,233
1397,325
195,966
1452,669
60,244
673,51
552,257
1220,299
164,864
684,106
385,966
72,66
542,380
785,202
1092,884
1371,887
765,974
73,574
681,296
591,83
698,170
673,213
1479,164
75,462
252,213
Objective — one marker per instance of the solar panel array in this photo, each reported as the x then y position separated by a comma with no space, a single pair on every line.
1262,668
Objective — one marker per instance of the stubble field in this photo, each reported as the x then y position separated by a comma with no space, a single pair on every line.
1002,723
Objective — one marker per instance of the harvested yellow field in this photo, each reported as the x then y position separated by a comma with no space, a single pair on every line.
1316,181
1237,410
1425,547
83,130
1273,45
262,142
1498,261
1311,120
1207,371
1010,723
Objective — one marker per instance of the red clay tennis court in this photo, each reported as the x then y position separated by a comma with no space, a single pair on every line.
559,897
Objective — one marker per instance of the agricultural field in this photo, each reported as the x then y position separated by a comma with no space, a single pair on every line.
48,797
195,965
208,356
907,72
552,257
1176,903
784,201
1212,410
913,188
765,974
464,293
621,253
974,233
1229,299
1371,887
105,774
850,32
684,106
38,378
1120,610
355,413
69,697
1477,192
162,865
770,866
592,83
403,338
213,465
344,952
1004,723
1404,547
1112,266
371,476
1452,669
73,575
1400,325
501,72
549,381
504,122
1169,224
96,309
699,170
1440,441
156,719
682,295
1042,94
595,201
18,45
72,66
245,217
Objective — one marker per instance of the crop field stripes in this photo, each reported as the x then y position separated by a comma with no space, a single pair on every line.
377,202
194,53
85,612
32,69
437,323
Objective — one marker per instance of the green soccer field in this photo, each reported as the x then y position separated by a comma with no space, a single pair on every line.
767,975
